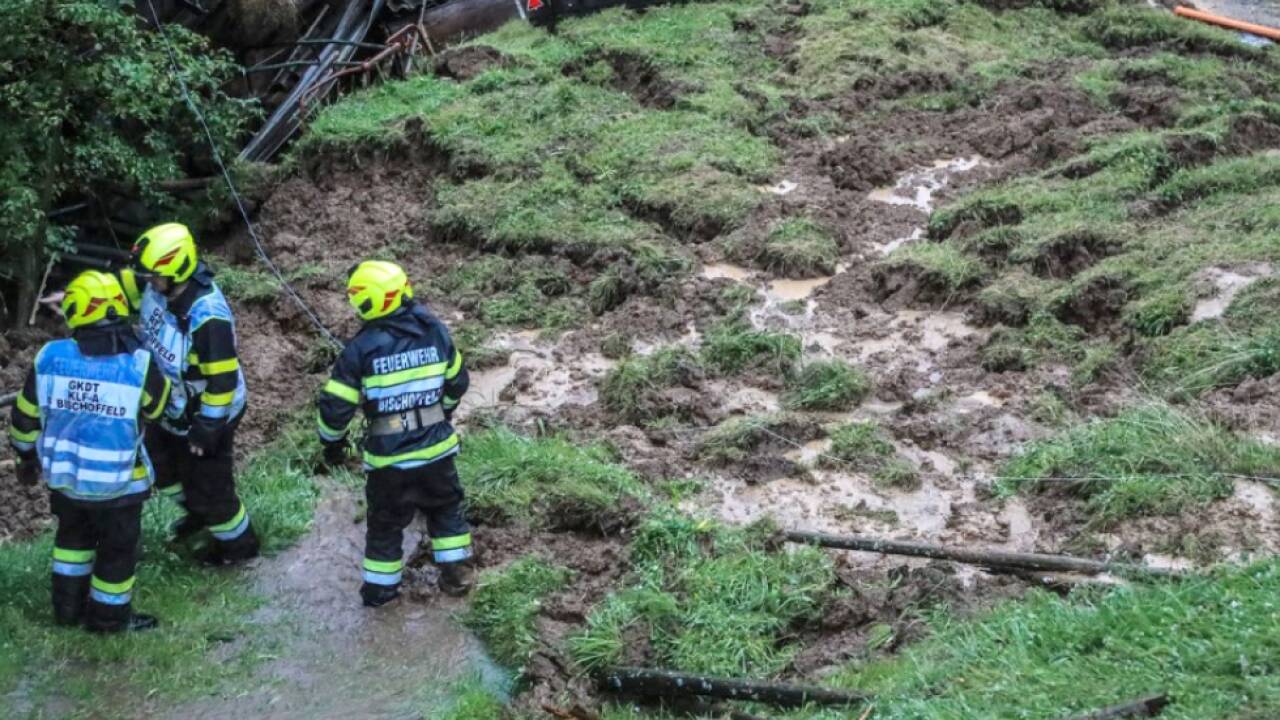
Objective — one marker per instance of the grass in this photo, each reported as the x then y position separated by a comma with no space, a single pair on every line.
256,286
541,481
865,447
706,598
1151,460
1204,641
827,385
793,247
734,346
634,389
506,602
738,438
208,638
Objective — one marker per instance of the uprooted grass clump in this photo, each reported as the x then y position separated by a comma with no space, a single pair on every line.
734,346
195,606
737,439
1151,460
707,598
506,602
636,389
1203,641
864,447
791,247
545,482
827,385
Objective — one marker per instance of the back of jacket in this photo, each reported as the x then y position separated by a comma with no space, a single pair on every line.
405,373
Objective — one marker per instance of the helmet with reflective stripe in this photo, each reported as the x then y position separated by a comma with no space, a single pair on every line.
167,251
92,297
377,288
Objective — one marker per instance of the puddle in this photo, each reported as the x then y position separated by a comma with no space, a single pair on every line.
918,187
823,503
716,271
793,290
914,330
535,377
1226,284
341,659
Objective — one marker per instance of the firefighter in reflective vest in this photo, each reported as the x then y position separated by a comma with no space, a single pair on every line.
404,371
78,421
187,324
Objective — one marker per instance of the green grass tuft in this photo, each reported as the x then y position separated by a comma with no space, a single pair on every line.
1152,460
827,385
544,481
707,598
733,347
634,388
506,602
799,247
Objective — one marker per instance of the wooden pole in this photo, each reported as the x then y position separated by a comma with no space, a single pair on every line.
987,558
647,681
1147,707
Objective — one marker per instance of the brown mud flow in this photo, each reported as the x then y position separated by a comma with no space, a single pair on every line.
337,658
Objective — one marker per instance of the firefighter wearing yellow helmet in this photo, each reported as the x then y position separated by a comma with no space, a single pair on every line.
78,422
403,370
187,324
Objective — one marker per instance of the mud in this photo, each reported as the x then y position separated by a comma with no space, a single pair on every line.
1219,286
338,658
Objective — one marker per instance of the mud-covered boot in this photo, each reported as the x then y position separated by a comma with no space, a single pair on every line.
103,618
70,593
375,595
455,578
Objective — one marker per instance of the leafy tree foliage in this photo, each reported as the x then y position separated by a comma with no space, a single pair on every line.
89,104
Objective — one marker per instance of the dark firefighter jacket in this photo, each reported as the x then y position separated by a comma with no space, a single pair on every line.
405,373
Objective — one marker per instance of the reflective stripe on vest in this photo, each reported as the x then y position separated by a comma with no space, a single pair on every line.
173,350
91,442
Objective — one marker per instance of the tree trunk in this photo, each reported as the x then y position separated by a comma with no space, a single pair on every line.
665,683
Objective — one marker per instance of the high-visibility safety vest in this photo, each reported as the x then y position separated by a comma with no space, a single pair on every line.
91,438
171,345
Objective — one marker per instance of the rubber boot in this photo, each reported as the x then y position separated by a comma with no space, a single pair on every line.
103,618
378,595
242,549
70,594
185,527
455,578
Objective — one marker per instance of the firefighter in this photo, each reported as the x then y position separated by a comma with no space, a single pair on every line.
187,324
78,420
403,370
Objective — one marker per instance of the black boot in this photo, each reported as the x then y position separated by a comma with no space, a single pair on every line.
378,595
70,593
185,527
242,549
103,618
455,578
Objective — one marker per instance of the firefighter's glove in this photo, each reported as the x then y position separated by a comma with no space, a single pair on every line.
335,455
203,437
28,472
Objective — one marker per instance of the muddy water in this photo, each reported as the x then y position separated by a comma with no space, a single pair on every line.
1223,285
337,658
917,189
534,376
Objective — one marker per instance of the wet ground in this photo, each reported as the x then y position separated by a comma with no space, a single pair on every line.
338,658
1262,12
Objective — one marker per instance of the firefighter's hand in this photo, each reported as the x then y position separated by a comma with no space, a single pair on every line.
335,455
203,439
28,472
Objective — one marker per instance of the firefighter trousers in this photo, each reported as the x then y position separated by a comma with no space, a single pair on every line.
395,496
205,486
95,555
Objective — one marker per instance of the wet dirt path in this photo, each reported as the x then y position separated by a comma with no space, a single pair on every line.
337,658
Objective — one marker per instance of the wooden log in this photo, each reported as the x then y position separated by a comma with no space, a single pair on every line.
1147,707
986,558
466,18
666,683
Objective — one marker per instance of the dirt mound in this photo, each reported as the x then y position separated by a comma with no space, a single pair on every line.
860,165
467,62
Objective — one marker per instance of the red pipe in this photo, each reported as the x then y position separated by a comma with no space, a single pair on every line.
1226,22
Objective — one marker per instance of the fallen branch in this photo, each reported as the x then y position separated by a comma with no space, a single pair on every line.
986,558
647,681
1146,707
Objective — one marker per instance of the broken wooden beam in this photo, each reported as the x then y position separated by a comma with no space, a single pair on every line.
666,683
986,558
1147,707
